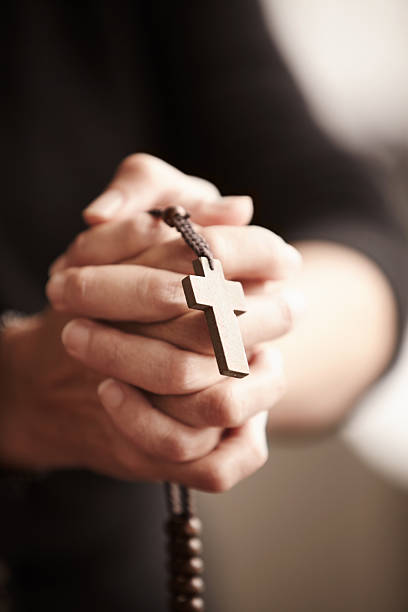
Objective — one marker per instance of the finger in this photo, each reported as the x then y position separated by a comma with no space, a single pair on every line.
239,454
152,365
230,403
143,182
250,252
120,293
268,317
109,243
228,210
151,431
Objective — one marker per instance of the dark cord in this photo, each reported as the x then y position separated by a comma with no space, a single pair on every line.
176,216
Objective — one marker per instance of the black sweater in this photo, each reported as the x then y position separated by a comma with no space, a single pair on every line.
201,85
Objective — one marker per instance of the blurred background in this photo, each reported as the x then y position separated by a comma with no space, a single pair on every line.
324,526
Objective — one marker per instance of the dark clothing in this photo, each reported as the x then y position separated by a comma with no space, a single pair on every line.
200,85
76,541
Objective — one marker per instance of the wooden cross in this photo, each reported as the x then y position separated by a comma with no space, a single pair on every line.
222,301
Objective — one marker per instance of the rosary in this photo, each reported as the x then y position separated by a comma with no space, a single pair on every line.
222,301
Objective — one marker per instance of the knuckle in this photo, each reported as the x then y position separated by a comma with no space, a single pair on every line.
139,163
194,331
269,242
256,453
281,381
131,227
277,381
162,293
208,190
286,314
169,292
218,479
180,374
77,285
176,448
104,349
80,241
223,409
216,241
145,288
202,341
263,235
150,289
281,386
130,232
259,456
77,246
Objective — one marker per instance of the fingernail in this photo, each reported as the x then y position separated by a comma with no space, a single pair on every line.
75,337
57,265
293,255
106,205
55,289
110,394
296,301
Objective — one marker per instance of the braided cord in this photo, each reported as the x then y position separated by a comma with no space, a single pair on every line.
176,216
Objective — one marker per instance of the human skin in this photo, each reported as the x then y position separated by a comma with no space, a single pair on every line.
192,427
51,416
340,346
337,349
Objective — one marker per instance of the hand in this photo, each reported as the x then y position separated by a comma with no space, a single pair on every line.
51,418
221,404
137,441
316,350
143,182
145,294
182,383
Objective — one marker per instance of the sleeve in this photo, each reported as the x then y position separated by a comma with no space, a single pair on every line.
234,115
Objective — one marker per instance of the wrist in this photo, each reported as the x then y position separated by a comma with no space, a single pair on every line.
16,338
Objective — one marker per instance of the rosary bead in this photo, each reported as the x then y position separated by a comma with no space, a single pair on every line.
185,604
197,604
189,526
193,526
185,547
190,567
187,585
194,546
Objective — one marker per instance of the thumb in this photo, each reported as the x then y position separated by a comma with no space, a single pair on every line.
143,182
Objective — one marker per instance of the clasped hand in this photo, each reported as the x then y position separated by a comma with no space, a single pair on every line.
164,411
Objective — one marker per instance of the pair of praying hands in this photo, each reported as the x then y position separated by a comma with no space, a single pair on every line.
134,391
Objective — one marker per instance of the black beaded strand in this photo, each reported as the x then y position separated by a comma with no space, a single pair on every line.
185,563
183,527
